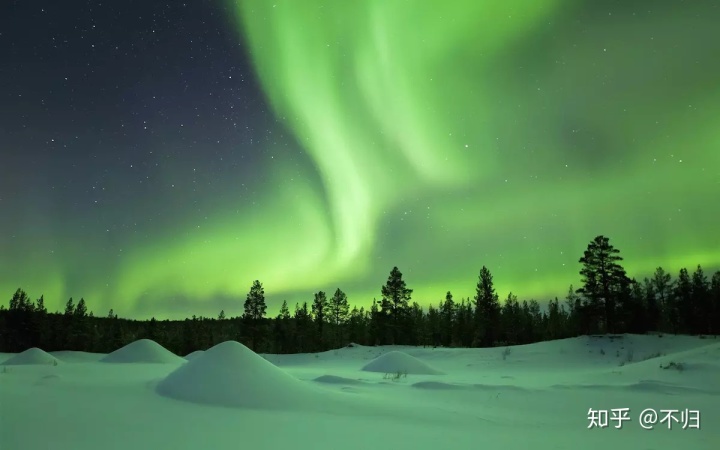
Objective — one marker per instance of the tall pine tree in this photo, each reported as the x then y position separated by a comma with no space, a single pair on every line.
487,310
319,311
395,298
338,311
255,308
604,280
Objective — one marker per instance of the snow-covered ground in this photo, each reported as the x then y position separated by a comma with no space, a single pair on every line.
367,398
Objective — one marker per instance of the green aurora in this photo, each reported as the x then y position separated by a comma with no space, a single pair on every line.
444,136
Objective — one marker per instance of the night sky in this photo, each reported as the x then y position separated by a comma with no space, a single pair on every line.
157,158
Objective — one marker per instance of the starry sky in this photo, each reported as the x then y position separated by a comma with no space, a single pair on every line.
157,158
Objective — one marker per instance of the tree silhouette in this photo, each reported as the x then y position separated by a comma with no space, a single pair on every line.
447,319
255,308
663,286
603,281
608,301
319,312
338,311
395,298
487,310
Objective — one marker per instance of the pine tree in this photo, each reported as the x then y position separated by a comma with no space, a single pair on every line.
447,319
376,325
714,312
603,281
555,325
510,320
531,322
152,329
682,299
40,305
80,309
663,287
433,326
652,305
69,307
283,332
701,302
395,298
338,310
487,310
319,311
418,325
357,326
303,324
39,324
255,308
80,326
19,322
221,316
635,317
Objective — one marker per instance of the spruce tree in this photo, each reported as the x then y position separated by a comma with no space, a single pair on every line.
682,299
282,330
447,320
510,322
652,305
635,316
255,308
603,281
303,325
487,310
557,318
417,325
319,312
69,307
80,326
376,325
433,334
701,302
663,287
714,312
338,310
80,309
395,298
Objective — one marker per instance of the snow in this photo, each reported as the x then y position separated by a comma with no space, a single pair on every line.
142,351
230,374
534,396
401,363
31,356
193,355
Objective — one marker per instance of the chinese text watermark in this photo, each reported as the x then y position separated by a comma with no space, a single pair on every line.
648,418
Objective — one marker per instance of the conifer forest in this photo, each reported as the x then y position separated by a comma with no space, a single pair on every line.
607,301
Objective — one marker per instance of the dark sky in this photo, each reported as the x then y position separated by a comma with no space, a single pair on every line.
156,158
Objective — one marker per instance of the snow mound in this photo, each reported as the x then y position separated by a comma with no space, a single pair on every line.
48,379
33,356
334,379
232,375
142,351
437,385
193,355
393,362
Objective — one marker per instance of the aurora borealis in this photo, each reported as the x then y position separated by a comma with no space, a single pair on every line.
156,159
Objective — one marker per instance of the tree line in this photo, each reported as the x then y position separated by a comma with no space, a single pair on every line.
607,301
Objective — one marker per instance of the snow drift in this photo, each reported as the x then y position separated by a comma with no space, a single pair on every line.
394,362
33,356
143,351
231,374
193,355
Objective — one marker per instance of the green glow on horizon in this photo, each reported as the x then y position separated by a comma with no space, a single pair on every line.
446,136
